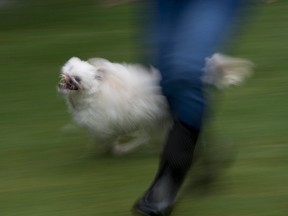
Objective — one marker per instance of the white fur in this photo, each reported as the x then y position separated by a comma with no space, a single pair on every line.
223,71
118,99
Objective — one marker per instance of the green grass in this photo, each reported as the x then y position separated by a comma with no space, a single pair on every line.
42,169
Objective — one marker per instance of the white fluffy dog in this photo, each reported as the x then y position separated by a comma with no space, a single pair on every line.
113,100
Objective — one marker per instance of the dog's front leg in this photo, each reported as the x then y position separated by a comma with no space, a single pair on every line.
135,140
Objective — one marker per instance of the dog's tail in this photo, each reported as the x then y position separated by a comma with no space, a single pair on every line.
223,71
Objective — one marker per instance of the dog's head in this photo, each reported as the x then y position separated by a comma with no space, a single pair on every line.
79,77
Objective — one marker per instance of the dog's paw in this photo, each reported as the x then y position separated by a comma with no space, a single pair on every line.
119,150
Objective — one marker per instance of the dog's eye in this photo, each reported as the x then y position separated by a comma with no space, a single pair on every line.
99,73
78,79
98,77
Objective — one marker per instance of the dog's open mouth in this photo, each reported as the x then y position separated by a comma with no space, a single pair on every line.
68,83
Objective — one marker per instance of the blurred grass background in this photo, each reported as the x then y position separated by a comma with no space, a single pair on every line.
42,171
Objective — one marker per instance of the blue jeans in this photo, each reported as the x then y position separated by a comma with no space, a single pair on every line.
185,32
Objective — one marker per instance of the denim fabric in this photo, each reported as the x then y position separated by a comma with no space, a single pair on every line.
185,32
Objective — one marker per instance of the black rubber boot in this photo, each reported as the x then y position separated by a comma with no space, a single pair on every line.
175,162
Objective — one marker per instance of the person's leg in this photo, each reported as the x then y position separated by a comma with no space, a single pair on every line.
174,164
198,29
189,31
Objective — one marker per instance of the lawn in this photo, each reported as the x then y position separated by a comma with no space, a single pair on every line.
45,170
